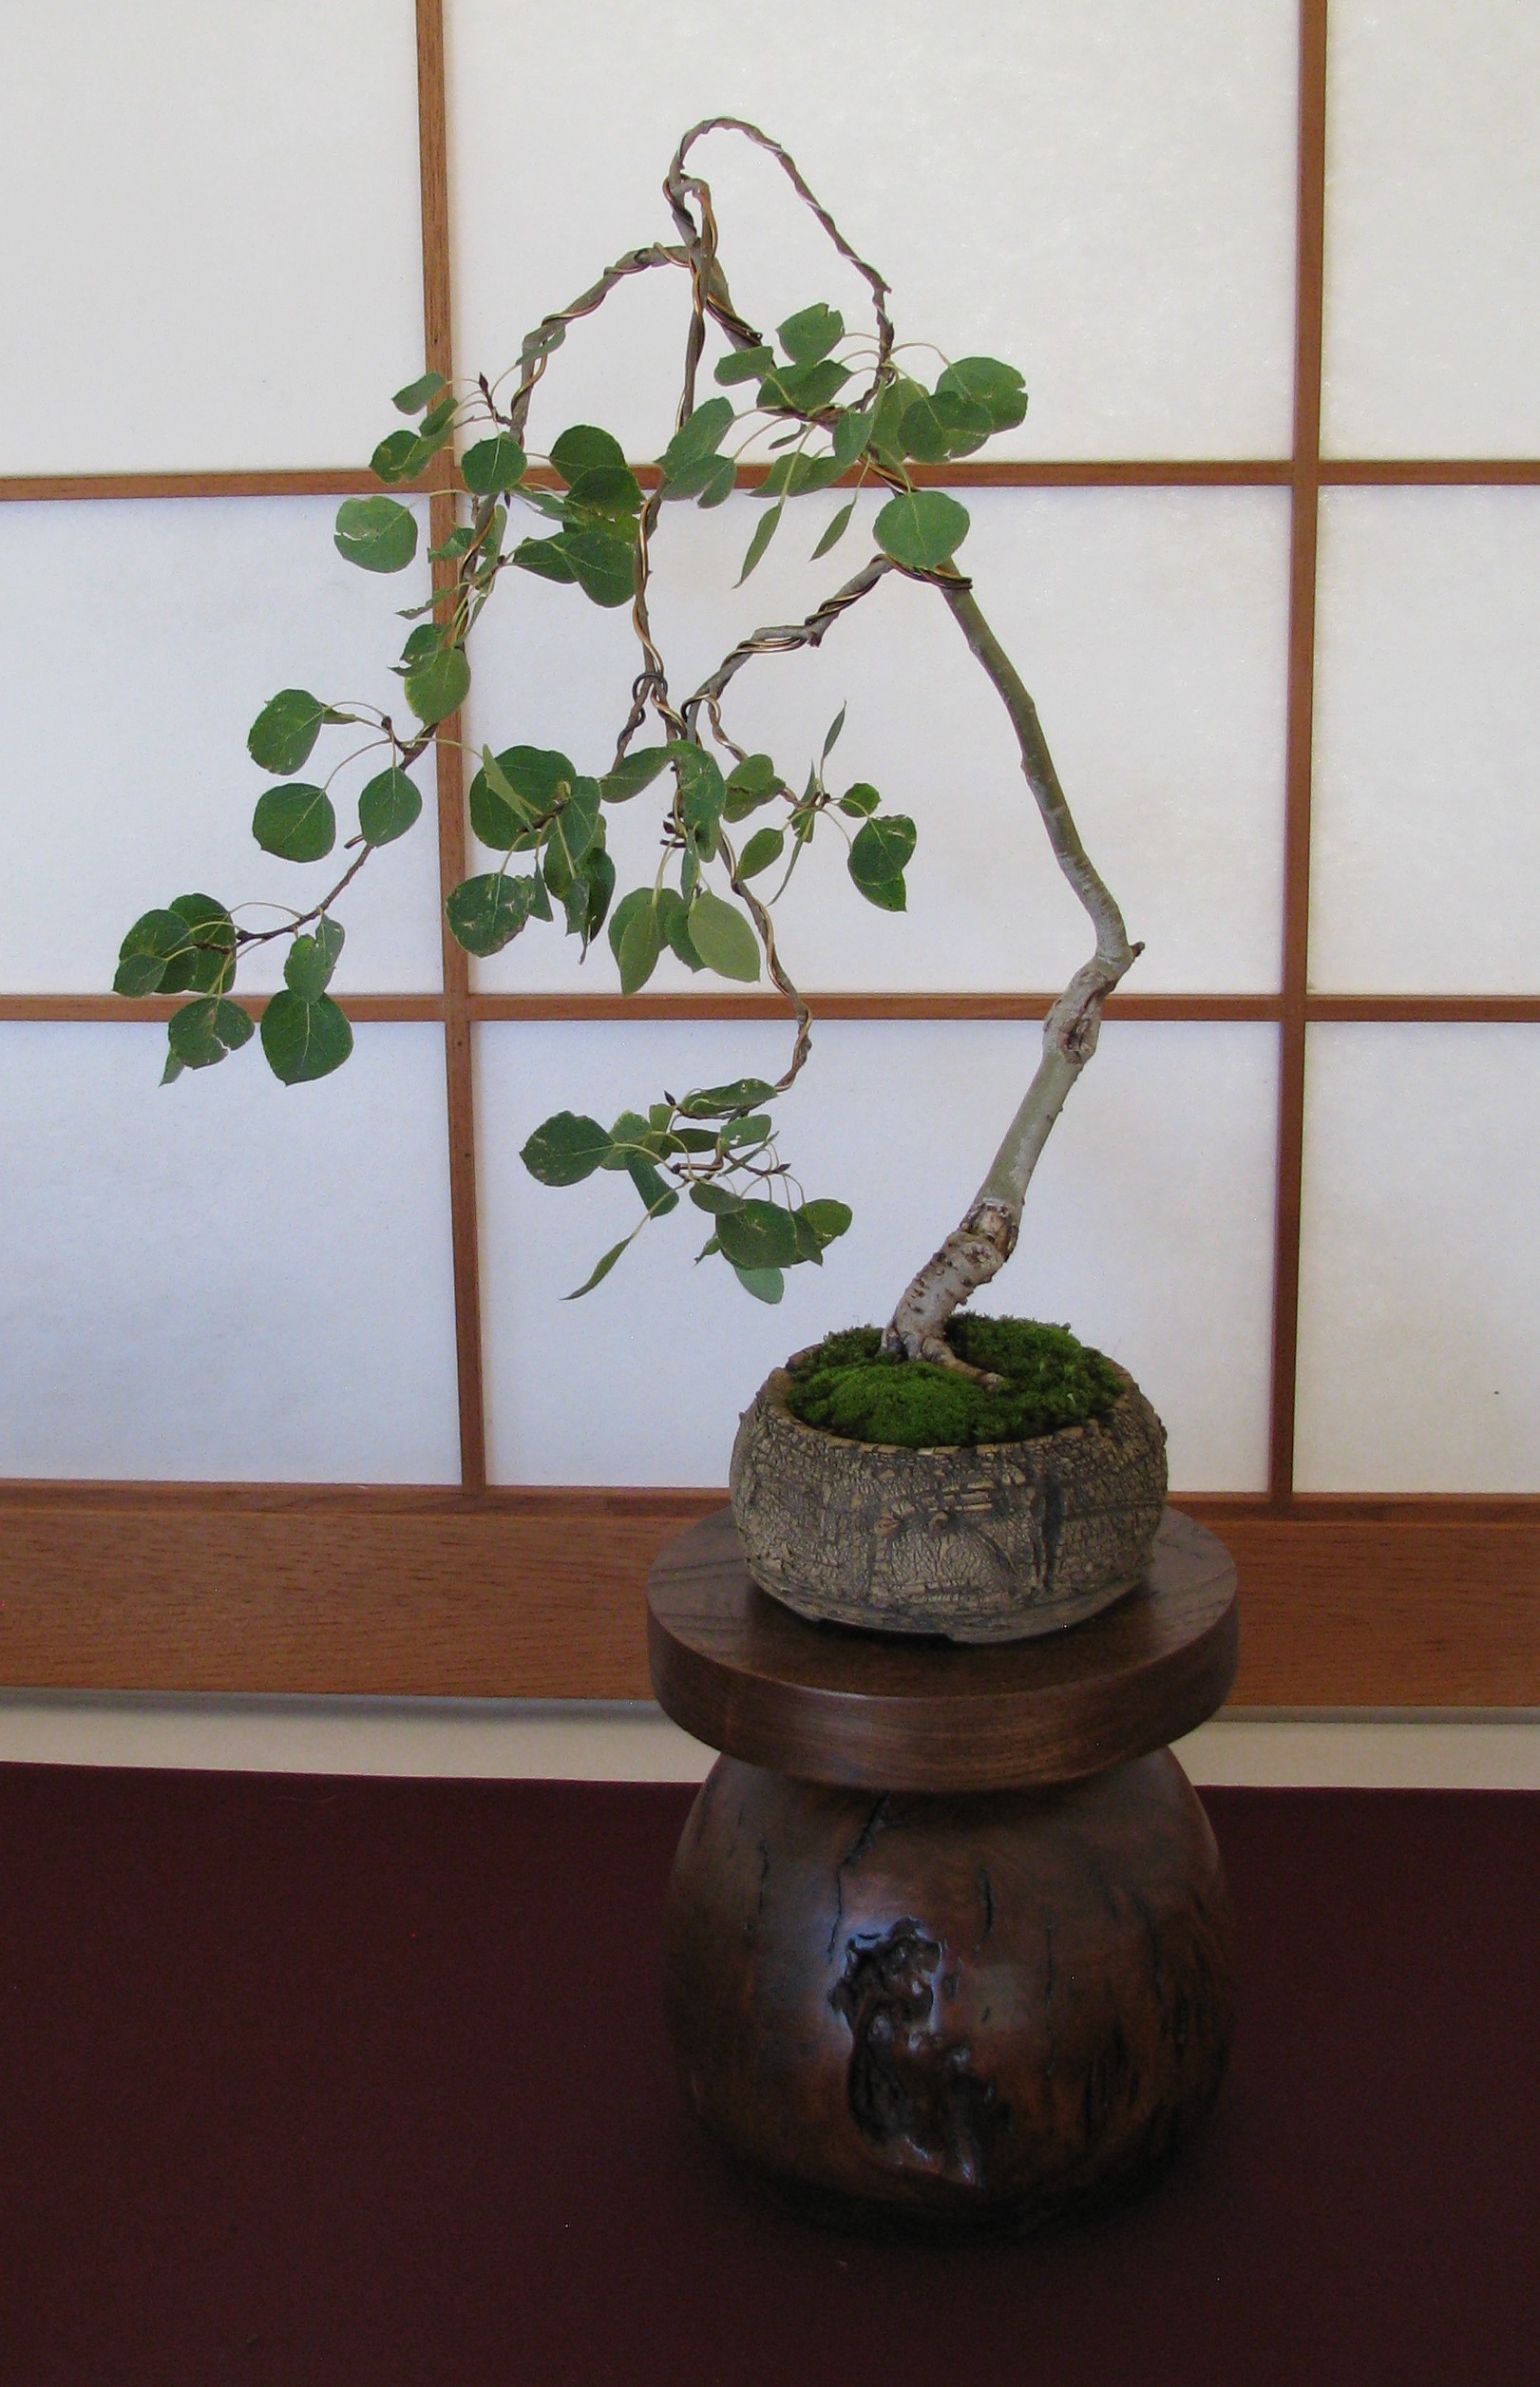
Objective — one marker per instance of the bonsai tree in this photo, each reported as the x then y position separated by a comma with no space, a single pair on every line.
823,406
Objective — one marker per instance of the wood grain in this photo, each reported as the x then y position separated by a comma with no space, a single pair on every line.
1305,516
539,1595
909,1003
883,1713
460,1100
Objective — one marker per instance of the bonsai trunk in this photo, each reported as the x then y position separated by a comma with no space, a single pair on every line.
983,1240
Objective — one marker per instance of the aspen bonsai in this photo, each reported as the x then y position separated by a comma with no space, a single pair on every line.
829,409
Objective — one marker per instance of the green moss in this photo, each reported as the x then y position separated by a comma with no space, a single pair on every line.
851,1386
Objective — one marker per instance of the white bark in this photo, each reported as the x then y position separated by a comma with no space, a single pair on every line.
979,1246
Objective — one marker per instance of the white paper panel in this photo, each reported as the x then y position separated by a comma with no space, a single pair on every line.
1150,625
1433,219
1425,826
1103,195
213,253
1419,1295
1148,1230
227,1279
146,636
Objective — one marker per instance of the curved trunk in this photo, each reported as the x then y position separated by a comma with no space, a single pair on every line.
979,1246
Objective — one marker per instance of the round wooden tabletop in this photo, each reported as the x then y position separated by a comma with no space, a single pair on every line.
886,1712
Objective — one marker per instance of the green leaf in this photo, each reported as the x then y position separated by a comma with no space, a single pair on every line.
897,397
156,939
764,848
601,1268
602,564
717,482
297,823
284,731
610,490
921,529
627,1137
565,1149
715,1199
888,894
438,687
834,728
640,943
387,807
429,638
587,900
493,465
804,389
399,455
439,418
881,849
836,531
625,913
657,1196
741,1093
745,364
796,476
809,337
999,389
759,1234
860,800
570,835
632,773
585,449
851,433
206,965
756,775
304,1040
487,913
307,971
417,394
544,557
702,793
826,1219
698,438
673,919
946,425
375,533
765,1284
723,938
764,531
754,1130
202,1033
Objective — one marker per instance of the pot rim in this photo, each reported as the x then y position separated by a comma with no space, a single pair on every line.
777,1383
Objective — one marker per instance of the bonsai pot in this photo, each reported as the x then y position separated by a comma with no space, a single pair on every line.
996,1541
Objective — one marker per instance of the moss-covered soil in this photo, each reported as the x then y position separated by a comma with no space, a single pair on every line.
849,1386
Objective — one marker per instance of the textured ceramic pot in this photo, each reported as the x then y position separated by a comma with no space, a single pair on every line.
994,1543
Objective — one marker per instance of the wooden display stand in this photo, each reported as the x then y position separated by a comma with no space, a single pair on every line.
949,1942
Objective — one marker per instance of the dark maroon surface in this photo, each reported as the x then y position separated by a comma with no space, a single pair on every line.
363,2083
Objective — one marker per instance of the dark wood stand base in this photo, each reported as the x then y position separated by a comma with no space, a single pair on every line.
948,1943
969,2011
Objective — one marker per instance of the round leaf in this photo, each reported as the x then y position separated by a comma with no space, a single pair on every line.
439,686
492,464
156,939
999,389
585,449
639,944
487,913
604,565
202,1033
418,393
206,965
376,533
881,848
757,1236
610,489
742,1094
304,1040
921,528
632,773
567,1149
809,337
387,808
284,731
765,1284
307,971
764,848
723,938
297,823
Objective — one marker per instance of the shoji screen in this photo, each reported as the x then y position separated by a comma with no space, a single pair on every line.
292,1398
